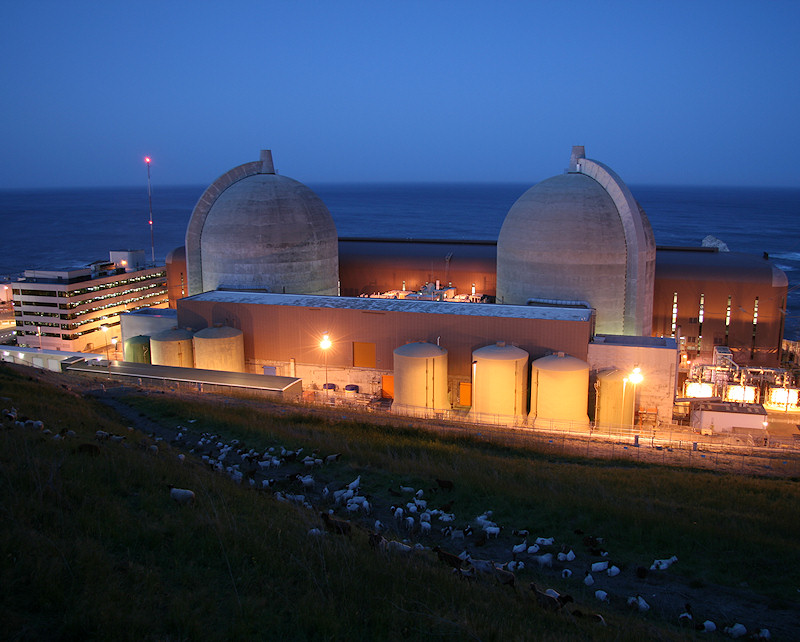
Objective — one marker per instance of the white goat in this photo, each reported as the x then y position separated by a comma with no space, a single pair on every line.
181,495
662,565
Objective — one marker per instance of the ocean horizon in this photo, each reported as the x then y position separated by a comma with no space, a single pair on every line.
57,227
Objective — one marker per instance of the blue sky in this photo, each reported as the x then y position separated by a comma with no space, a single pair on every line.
663,92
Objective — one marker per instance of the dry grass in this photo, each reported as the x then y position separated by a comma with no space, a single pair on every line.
93,547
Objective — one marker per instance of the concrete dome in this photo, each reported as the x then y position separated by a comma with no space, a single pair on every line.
580,237
255,230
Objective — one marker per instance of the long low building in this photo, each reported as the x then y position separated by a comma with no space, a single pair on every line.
284,331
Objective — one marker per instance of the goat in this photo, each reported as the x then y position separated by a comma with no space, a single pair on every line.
662,565
444,484
550,600
482,566
736,630
506,578
448,558
393,546
376,540
465,573
639,603
335,525
594,616
181,495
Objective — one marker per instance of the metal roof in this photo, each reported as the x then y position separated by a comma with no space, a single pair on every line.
188,375
397,305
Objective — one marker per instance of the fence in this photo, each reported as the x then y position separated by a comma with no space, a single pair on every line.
665,444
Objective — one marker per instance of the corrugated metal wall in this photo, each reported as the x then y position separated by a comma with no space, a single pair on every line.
280,333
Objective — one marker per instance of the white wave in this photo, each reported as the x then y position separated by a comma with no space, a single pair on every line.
786,256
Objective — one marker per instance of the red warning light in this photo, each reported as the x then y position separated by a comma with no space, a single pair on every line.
147,159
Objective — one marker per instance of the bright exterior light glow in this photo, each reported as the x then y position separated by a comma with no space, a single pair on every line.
326,342
147,159
699,389
104,328
742,394
636,377
782,397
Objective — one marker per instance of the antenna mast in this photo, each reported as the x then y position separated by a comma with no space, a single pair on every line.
150,201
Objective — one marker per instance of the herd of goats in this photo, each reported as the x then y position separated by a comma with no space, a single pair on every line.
410,526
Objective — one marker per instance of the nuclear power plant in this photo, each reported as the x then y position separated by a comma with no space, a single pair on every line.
572,316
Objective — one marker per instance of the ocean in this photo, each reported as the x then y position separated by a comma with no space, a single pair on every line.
54,228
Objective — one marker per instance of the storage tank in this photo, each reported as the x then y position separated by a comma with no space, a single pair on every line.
172,348
219,348
615,399
420,379
559,392
499,384
136,349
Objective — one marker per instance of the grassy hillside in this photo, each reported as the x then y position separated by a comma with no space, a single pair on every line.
92,546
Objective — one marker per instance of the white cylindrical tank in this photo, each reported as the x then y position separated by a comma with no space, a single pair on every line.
172,348
420,379
219,348
136,349
559,392
499,384
615,399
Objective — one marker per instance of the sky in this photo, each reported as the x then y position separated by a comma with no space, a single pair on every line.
672,93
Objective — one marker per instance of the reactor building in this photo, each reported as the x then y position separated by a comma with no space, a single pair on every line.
571,315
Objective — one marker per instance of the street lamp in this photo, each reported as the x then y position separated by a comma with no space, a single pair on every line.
635,378
104,328
325,345
114,341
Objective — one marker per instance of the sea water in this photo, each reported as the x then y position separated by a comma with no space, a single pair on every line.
58,228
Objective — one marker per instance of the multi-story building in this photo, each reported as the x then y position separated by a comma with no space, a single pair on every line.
77,309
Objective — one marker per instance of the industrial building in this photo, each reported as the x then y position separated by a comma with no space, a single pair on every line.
77,309
559,322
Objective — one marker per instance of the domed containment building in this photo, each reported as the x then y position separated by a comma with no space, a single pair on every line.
255,230
580,238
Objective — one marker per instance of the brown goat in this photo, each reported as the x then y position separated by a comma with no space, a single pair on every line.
336,525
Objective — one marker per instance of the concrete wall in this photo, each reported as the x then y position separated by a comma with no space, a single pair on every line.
658,363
